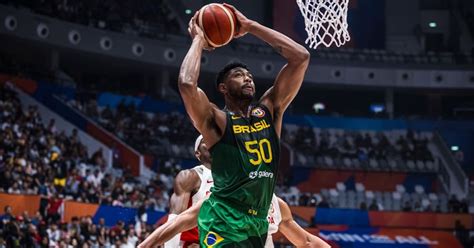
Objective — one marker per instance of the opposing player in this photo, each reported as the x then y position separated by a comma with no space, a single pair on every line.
190,186
279,217
243,138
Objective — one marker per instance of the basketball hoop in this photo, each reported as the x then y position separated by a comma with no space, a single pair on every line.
325,22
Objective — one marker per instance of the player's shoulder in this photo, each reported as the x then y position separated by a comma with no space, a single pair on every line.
187,179
186,174
198,168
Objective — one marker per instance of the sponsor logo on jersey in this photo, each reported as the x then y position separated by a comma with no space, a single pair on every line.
255,127
235,117
258,112
260,174
270,220
212,239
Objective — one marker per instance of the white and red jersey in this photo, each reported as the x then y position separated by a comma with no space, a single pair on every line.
274,219
205,174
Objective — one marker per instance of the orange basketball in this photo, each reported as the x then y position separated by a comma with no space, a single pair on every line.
218,23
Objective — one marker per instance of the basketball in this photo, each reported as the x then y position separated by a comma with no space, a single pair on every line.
218,24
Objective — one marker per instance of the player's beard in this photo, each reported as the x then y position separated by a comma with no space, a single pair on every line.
238,94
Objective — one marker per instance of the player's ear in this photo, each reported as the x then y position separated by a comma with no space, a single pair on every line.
197,154
222,88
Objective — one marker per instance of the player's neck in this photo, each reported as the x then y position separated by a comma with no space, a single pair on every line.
207,165
240,107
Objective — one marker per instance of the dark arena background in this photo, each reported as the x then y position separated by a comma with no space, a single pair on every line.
377,149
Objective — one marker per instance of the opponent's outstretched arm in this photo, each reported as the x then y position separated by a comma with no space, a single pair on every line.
294,232
184,184
183,222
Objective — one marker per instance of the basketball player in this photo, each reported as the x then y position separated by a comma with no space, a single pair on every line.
279,217
243,138
190,186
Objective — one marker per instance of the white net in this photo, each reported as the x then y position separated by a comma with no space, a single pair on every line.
325,22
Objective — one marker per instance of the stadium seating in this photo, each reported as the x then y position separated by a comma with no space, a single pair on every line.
395,150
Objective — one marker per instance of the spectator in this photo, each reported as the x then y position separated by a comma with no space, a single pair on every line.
52,126
32,237
323,203
406,207
60,171
304,200
417,207
74,138
461,232
53,208
7,215
454,205
94,179
374,206
142,216
132,239
98,158
54,234
119,227
12,233
74,226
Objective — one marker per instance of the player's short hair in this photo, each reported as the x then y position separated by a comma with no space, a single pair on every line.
225,71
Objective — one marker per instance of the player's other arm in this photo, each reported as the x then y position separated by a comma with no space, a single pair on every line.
184,184
294,232
183,222
290,78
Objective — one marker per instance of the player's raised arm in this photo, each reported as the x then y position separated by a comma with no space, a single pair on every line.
208,119
294,232
195,100
289,80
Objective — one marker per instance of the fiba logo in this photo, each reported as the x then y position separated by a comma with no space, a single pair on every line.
258,112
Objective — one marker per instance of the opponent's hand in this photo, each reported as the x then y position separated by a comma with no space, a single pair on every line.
243,23
196,32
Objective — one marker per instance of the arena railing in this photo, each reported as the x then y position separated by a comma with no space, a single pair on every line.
455,167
